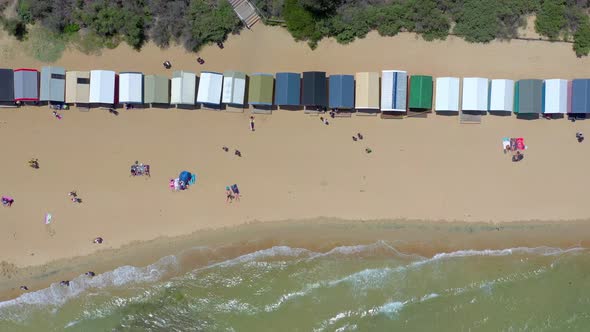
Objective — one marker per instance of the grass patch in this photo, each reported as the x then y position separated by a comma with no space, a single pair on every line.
87,42
44,45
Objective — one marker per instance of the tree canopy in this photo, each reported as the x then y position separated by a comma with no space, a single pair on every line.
194,23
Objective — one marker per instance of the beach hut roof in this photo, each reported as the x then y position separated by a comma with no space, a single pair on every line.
102,87
555,96
234,88
315,89
261,89
6,85
26,84
528,96
475,94
131,88
580,96
53,84
367,90
447,94
183,89
156,89
342,91
288,89
394,89
210,85
501,95
420,92
77,87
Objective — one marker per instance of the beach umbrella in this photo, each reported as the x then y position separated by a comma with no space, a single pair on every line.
185,176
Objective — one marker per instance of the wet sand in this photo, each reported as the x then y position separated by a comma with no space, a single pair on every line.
293,167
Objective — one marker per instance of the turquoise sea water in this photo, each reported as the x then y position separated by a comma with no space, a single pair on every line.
354,288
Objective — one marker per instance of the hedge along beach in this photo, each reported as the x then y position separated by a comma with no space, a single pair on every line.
293,167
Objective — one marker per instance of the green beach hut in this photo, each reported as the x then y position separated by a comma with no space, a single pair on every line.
528,98
260,91
156,90
420,92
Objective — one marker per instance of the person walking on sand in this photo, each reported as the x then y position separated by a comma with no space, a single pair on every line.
252,123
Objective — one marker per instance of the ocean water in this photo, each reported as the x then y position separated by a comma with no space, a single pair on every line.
372,287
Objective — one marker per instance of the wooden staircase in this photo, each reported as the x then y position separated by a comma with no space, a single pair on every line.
245,11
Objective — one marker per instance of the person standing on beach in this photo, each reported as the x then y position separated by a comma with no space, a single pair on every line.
252,123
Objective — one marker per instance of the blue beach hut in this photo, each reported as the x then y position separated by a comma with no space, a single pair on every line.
341,92
288,89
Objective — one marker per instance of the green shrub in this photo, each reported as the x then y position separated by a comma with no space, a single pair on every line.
582,38
478,21
551,18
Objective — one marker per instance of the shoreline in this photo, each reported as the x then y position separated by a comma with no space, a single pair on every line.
414,237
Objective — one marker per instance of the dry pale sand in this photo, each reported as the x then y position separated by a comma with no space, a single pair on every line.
293,166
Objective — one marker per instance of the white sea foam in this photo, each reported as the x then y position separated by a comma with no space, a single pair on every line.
57,295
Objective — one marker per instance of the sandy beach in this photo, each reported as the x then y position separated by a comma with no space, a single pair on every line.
293,167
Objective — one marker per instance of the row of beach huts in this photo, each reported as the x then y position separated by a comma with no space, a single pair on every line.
393,92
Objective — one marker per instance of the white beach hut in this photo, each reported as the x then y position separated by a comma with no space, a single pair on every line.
234,88
131,88
210,86
555,96
183,88
394,90
102,87
475,94
447,94
501,95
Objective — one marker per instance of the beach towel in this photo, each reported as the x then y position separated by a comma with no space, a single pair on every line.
505,143
48,218
520,143
177,184
171,184
234,189
193,179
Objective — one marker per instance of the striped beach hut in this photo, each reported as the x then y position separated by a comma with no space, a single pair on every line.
7,88
367,93
288,90
260,93
555,96
210,88
580,95
183,90
156,90
447,94
78,87
475,94
341,95
394,89
528,98
501,96
26,85
102,87
315,91
234,88
420,92
53,84
131,88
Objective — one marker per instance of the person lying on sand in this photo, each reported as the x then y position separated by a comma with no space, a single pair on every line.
238,153
98,240
229,195
24,288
